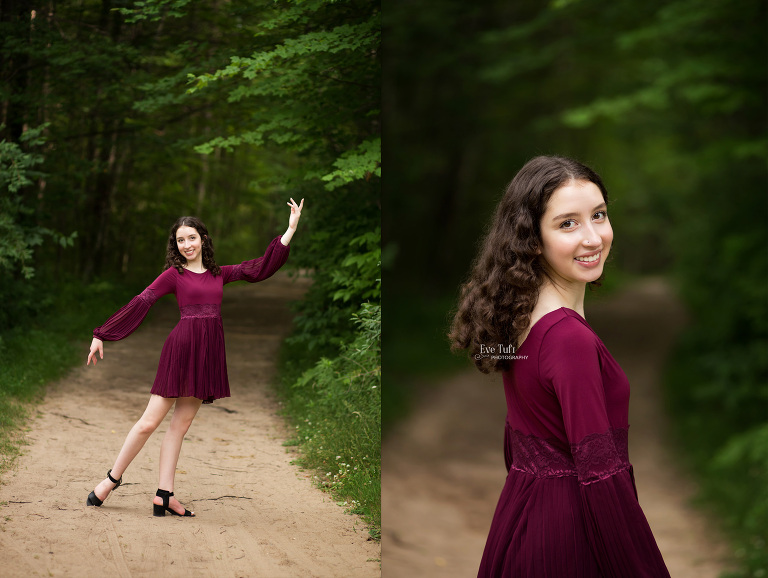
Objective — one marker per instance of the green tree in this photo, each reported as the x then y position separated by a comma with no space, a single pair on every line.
312,87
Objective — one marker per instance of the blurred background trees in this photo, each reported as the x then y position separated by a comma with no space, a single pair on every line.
667,101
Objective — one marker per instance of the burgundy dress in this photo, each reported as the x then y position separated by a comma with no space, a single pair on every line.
193,361
569,506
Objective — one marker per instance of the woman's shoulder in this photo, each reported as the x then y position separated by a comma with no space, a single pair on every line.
566,344
565,325
168,276
169,273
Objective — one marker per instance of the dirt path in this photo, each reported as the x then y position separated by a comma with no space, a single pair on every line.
257,515
444,467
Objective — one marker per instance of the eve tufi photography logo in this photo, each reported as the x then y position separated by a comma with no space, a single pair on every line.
498,351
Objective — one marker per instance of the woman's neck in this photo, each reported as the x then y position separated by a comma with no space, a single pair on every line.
196,266
552,296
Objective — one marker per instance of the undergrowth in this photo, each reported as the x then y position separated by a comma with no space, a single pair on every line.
335,409
723,440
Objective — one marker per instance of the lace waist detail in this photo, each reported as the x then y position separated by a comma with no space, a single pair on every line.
537,456
212,310
594,458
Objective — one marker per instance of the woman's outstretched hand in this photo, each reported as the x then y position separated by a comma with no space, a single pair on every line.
96,345
293,221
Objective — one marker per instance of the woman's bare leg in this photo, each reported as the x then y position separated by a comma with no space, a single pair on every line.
183,414
157,408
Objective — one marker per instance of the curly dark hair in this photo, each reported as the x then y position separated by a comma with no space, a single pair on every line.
497,300
175,259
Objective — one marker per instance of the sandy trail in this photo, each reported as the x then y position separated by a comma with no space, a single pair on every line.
444,465
257,515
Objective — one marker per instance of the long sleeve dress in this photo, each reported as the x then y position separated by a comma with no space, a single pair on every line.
193,360
569,506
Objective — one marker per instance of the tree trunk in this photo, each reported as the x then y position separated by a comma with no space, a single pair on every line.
13,69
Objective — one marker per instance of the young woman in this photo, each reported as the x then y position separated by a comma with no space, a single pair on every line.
192,368
569,505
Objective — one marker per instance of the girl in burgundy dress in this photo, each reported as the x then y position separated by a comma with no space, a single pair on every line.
569,505
192,368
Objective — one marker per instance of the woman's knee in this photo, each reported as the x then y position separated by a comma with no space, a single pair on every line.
184,414
147,425
181,423
153,416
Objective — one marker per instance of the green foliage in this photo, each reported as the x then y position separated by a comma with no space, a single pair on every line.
19,234
153,10
709,66
362,163
667,101
335,406
16,165
283,94
312,86
346,275
359,275
16,172
721,368
159,108
727,454
746,454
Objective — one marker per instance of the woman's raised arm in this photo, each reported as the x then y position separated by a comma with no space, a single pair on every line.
293,221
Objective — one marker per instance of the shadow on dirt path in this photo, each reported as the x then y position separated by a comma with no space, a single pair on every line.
444,465
257,515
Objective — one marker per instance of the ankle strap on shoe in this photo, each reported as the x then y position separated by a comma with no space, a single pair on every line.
165,495
111,479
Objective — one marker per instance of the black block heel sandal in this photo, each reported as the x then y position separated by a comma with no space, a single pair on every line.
158,510
94,501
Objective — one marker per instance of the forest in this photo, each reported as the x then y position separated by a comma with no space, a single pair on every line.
667,101
117,117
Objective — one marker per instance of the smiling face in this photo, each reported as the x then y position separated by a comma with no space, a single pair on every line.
575,233
189,243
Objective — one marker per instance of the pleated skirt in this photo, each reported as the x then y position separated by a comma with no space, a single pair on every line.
193,362
538,531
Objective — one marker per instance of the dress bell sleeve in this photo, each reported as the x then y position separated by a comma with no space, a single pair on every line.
128,318
260,268
617,530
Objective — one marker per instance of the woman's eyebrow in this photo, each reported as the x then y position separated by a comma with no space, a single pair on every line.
564,215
